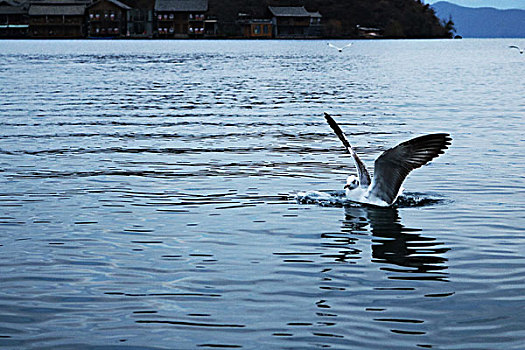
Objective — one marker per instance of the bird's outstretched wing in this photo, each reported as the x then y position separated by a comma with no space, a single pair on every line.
364,177
393,166
339,48
514,47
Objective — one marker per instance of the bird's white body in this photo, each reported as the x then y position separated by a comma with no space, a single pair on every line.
357,194
362,195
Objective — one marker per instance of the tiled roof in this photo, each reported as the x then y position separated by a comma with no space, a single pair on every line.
115,2
12,10
181,5
120,4
58,2
8,10
286,11
7,3
8,7
67,10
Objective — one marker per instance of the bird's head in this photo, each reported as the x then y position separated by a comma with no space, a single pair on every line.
351,182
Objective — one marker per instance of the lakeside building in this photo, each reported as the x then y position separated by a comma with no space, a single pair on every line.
107,19
255,28
57,19
169,19
181,18
295,22
140,21
258,29
14,19
211,27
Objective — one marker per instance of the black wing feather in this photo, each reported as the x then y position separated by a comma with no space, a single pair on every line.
364,177
393,166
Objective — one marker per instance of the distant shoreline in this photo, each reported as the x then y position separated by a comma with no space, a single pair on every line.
233,38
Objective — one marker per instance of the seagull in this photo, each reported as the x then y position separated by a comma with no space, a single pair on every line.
516,47
390,169
340,49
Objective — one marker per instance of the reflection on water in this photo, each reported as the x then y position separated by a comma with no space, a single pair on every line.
387,272
413,256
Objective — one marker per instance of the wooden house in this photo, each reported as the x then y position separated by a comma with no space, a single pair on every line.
295,22
14,19
140,18
316,26
211,27
57,19
254,28
180,18
107,18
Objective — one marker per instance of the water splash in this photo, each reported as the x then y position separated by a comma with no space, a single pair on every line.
418,199
337,198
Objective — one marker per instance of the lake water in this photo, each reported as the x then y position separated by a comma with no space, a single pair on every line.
147,196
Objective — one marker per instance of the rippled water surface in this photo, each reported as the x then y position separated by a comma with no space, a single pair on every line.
147,196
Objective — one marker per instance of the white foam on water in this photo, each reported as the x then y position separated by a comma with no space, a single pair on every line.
337,198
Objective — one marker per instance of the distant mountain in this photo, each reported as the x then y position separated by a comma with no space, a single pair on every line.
483,22
499,4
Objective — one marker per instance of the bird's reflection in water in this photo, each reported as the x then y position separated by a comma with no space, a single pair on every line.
357,294
405,253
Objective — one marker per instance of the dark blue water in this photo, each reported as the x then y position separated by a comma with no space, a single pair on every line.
147,196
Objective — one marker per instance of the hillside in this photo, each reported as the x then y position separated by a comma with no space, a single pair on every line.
483,22
397,18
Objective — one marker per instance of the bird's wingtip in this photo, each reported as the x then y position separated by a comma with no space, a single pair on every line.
446,140
446,137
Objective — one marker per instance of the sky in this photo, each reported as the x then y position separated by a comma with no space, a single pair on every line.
500,4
